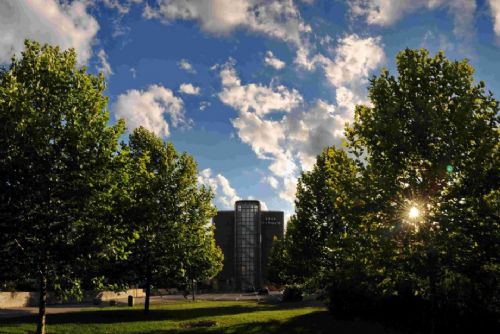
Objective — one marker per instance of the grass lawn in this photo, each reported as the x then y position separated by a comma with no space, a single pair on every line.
181,317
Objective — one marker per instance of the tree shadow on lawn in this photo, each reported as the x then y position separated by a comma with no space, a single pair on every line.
137,315
319,322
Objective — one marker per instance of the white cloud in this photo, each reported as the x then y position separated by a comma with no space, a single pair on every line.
495,14
255,97
387,12
291,141
46,21
304,59
263,206
277,124
271,60
278,19
271,180
186,66
150,109
204,105
311,130
122,8
225,195
104,65
355,58
264,138
347,72
288,193
189,89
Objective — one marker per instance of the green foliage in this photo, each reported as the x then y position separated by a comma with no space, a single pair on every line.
56,156
428,141
163,206
280,264
432,116
56,170
292,293
324,211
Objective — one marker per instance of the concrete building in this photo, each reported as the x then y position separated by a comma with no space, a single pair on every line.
245,236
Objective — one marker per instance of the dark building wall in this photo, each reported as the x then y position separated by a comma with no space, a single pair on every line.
269,226
272,227
224,238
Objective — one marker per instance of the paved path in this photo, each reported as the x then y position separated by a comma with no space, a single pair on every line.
67,308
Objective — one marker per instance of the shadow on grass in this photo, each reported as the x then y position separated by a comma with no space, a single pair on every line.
136,315
319,322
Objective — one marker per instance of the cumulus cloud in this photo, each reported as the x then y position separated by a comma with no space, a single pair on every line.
288,193
387,12
495,14
225,195
311,130
104,67
277,124
120,7
189,89
254,97
272,181
186,66
254,101
290,141
47,21
354,58
272,61
151,108
278,19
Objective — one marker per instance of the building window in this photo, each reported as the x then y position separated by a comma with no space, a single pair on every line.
246,236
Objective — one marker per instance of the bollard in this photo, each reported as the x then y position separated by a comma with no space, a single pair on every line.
130,300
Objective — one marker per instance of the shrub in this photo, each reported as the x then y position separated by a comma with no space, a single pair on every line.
292,293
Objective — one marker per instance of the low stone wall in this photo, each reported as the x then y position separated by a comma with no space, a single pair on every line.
17,299
110,295
22,299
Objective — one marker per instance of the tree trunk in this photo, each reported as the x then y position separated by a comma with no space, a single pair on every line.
148,290
433,291
432,328
42,303
192,288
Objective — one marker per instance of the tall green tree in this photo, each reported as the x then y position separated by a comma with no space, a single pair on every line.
412,210
430,142
56,171
168,211
201,257
323,211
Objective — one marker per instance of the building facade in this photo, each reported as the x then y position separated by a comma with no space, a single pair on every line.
246,236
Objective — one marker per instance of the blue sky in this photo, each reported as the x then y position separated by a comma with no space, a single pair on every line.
252,89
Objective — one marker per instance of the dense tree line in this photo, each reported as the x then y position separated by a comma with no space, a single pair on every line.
73,202
404,222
